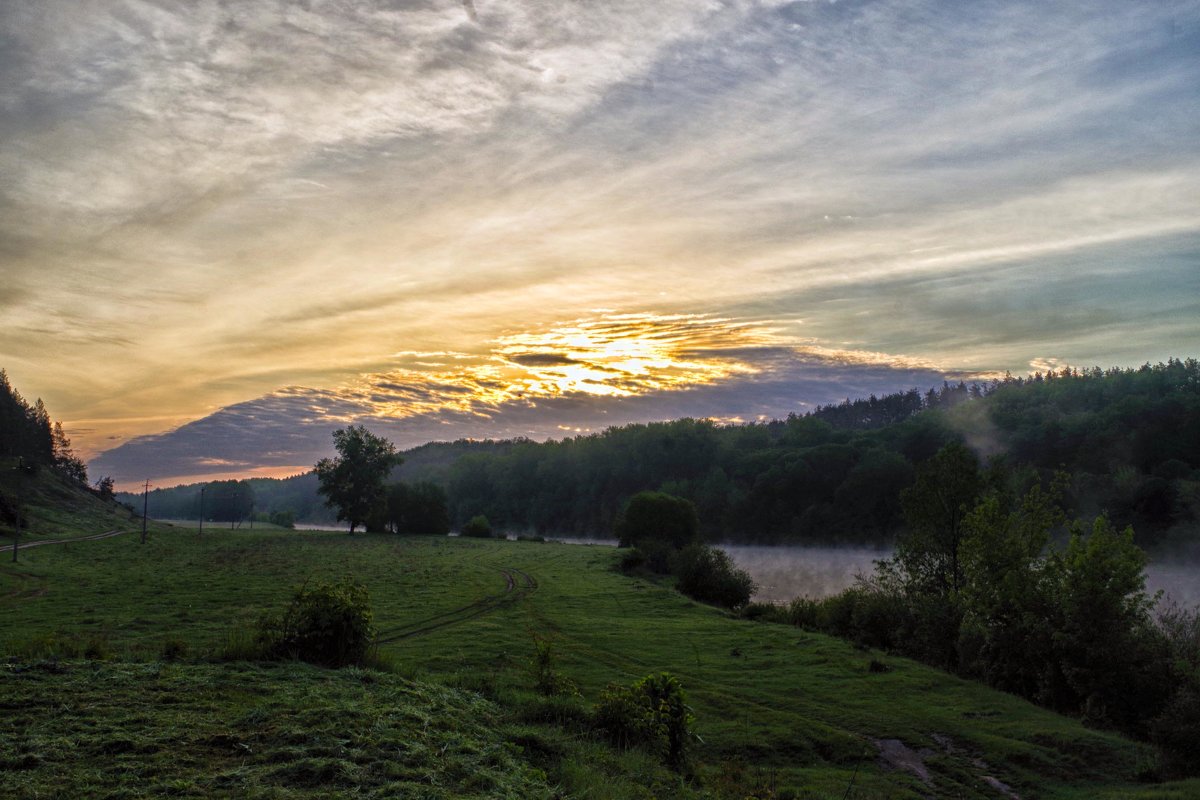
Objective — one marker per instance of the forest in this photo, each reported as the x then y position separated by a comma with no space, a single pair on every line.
27,433
1129,438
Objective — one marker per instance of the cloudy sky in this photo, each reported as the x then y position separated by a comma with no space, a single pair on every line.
227,228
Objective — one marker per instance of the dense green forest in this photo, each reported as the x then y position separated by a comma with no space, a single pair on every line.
1130,439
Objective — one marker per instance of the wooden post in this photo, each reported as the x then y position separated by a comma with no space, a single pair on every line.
145,505
20,499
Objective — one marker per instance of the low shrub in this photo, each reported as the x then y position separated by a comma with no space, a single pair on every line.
329,624
707,574
764,612
477,527
652,713
804,612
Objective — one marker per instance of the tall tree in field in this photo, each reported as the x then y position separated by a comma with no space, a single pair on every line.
352,482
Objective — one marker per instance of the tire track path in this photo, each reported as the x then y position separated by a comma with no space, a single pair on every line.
518,584
92,538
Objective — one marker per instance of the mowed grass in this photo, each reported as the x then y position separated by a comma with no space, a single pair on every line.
252,731
780,712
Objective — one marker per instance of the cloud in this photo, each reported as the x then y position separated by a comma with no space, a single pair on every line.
200,203
736,371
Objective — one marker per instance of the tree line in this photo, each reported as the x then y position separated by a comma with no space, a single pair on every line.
27,433
1130,439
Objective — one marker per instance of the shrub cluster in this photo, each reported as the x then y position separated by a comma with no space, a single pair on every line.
1070,628
477,527
662,531
330,624
707,574
652,713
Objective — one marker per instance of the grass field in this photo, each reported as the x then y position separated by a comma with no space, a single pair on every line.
780,712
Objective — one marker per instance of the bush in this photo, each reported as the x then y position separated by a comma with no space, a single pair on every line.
329,624
632,561
804,612
708,575
764,612
477,527
284,519
652,713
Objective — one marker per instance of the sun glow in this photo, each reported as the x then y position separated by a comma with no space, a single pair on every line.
615,355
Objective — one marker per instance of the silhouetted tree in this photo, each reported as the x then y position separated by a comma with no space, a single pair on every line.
352,483
104,488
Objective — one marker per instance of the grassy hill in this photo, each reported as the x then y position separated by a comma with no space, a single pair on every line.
779,712
55,507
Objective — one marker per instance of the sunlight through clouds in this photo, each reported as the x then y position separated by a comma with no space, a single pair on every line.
572,378
203,204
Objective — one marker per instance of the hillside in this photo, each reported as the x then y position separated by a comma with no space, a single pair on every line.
57,507
779,712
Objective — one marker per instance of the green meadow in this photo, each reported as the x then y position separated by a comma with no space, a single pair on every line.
113,685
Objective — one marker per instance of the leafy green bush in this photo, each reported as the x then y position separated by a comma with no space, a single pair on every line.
804,612
708,575
653,713
329,624
477,527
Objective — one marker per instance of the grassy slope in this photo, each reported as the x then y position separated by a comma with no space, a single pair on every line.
775,706
57,509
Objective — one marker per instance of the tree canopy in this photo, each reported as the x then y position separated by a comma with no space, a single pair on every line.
353,481
228,501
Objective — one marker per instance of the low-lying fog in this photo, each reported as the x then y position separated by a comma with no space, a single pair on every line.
783,573
786,572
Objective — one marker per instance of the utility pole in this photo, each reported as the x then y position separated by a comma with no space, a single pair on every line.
145,505
203,489
20,498
17,529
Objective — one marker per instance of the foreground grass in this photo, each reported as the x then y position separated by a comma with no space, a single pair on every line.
781,713
80,729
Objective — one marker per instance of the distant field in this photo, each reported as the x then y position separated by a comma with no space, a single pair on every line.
772,704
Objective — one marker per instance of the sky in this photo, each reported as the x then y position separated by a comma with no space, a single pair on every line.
228,228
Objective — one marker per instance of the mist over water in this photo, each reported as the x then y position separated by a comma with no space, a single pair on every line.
783,573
